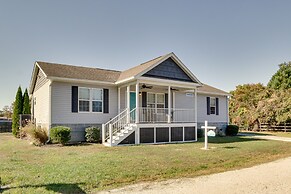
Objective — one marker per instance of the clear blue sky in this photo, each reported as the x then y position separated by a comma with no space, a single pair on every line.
224,43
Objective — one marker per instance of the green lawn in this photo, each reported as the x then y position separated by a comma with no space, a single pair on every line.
279,134
88,168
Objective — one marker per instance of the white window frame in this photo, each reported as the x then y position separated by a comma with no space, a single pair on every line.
212,98
156,101
90,100
80,99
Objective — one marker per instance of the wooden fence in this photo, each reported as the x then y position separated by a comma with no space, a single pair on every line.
282,127
5,126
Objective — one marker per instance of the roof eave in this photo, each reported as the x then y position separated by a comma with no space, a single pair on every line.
214,93
74,80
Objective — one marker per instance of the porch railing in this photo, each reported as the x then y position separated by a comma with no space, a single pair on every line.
116,124
160,115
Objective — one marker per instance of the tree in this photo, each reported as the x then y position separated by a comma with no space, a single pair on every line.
26,103
282,78
7,111
277,108
243,104
17,110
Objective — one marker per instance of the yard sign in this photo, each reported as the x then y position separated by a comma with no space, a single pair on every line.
206,127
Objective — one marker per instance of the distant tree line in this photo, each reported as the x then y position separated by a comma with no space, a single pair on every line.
21,105
253,104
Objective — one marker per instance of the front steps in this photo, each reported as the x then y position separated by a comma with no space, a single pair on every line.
120,136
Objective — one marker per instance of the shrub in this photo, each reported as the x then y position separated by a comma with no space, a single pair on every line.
60,134
200,133
93,134
231,130
37,135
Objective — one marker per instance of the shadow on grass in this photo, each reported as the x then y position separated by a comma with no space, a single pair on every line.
77,144
253,134
229,139
80,144
57,187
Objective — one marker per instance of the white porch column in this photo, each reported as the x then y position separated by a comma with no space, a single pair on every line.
195,104
169,104
118,100
137,102
128,103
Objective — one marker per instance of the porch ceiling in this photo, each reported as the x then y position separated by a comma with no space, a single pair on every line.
156,87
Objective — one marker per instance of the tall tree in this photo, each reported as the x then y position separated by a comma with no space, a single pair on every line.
17,110
7,111
277,108
282,78
26,103
243,104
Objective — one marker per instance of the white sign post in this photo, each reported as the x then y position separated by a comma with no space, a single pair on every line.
206,127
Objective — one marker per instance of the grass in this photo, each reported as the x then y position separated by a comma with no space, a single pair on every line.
275,133
91,167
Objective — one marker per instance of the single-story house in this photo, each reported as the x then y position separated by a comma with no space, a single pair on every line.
159,101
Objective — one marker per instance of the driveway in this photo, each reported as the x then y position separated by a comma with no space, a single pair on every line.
274,177
267,137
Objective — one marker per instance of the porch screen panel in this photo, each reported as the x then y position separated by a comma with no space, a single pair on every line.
162,134
129,140
189,133
146,135
177,134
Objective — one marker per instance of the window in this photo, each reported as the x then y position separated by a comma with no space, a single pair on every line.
90,100
97,100
212,105
84,100
160,103
151,100
156,101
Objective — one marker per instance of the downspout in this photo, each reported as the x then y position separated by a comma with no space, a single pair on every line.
50,110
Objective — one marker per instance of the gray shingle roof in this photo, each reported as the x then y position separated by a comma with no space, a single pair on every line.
137,69
105,75
77,72
209,89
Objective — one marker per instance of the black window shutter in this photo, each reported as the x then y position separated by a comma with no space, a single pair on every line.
208,105
166,100
144,99
105,100
217,106
74,98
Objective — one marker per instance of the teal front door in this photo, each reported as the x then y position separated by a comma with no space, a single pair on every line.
132,100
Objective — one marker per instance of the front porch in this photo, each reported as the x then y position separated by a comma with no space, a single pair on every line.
153,113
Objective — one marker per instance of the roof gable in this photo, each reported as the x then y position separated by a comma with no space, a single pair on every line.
143,68
132,72
169,69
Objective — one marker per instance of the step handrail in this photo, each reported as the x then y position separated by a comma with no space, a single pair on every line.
116,124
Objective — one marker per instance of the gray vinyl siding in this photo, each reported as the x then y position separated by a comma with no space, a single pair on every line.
41,106
40,80
184,102
122,98
202,109
62,102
